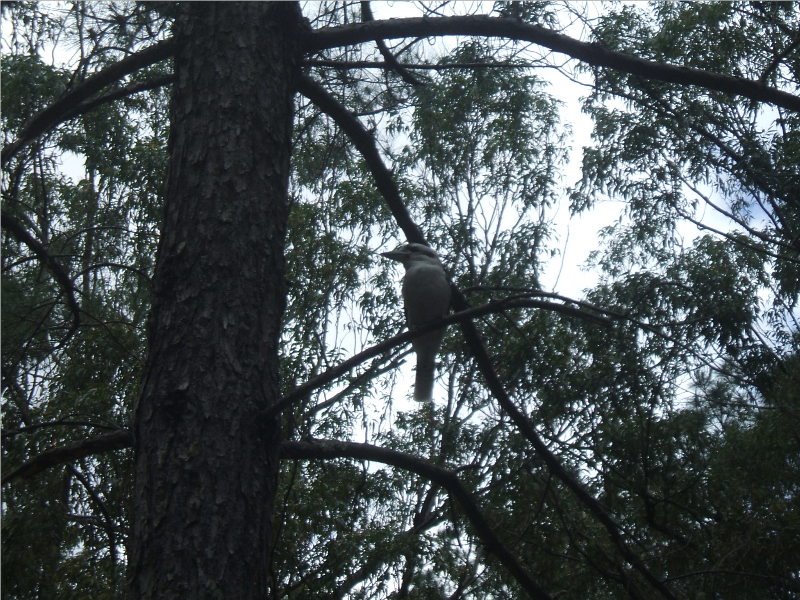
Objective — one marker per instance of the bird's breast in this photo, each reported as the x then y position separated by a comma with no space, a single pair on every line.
426,294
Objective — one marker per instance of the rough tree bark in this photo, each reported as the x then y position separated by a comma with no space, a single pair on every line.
206,458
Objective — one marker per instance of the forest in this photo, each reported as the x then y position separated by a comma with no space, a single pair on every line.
206,369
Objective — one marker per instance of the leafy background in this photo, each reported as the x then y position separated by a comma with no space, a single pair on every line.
681,416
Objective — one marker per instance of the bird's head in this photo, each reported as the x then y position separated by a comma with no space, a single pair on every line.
412,253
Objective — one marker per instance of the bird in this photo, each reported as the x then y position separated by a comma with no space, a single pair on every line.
426,296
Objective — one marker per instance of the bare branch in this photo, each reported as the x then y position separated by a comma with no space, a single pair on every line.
123,92
58,456
590,53
464,316
8,433
377,64
365,144
444,477
780,57
65,107
386,185
123,438
366,14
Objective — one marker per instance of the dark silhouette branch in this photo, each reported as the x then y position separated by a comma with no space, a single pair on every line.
315,449
526,427
378,367
783,582
379,556
326,449
69,105
64,454
146,279
123,92
123,438
591,53
377,64
12,225
9,433
77,100
365,144
107,521
65,107
779,58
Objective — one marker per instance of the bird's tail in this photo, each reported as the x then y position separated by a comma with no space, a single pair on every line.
423,383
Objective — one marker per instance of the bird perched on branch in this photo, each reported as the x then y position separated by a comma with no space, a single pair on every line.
426,294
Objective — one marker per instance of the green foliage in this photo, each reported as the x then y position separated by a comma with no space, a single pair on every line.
679,414
64,532
671,147
29,85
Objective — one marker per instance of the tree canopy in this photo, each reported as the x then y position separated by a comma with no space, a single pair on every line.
633,436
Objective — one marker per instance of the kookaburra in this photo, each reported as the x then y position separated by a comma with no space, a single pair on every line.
426,294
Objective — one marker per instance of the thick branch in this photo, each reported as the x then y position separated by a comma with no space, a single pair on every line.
58,456
65,106
123,438
373,64
590,53
480,25
447,479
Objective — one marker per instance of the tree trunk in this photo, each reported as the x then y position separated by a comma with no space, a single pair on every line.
206,458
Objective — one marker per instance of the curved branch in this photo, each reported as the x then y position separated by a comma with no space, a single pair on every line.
591,53
526,427
112,265
372,64
778,58
444,477
107,520
61,276
65,107
58,456
123,92
315,449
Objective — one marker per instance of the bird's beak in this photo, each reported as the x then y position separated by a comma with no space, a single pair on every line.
398,255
